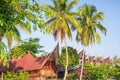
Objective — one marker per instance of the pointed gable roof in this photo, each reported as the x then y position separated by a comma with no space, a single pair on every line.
99,59
92,59
106,60
28,62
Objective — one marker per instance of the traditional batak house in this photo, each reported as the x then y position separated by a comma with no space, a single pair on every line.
93,60
38,68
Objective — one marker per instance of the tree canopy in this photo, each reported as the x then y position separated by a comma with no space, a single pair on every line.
18,13
31,44
90,20
72,57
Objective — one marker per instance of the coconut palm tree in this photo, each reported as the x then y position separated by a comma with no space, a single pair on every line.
60,18
89,20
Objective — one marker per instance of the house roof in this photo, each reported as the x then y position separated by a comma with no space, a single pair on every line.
92,59
28,62
98,60
106,60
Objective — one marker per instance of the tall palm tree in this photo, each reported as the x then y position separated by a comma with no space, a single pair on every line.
89,20
60,19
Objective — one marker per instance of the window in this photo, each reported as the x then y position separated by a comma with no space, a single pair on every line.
101,62
94,62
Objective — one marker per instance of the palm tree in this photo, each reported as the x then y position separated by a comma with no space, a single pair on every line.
89,20
60,17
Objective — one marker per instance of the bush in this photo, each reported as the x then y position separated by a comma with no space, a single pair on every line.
15,76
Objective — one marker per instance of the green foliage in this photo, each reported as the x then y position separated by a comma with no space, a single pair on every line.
60,18
115,67
72,76
17,52
117,72
3,55
98,72
16,76
44,54
4,59
19,12
31,45
2,47
90,21
72,57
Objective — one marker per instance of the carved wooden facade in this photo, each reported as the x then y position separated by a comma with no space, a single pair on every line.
38,68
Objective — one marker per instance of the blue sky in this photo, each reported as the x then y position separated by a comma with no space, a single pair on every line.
110,44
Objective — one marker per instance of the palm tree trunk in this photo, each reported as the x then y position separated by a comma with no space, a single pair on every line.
81,73
9,54
2,76
66,61
0,38
9,47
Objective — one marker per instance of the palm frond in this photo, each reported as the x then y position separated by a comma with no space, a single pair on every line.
73,13
8,36
98,16
74,22
92,10
51,7
56,3
16,35
97,36
101,27
86,10
70,5
51,27
25,27
67,29
79,37
50,21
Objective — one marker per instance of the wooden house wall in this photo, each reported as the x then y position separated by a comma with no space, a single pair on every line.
48,70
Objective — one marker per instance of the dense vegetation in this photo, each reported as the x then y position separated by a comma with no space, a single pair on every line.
16,76
72,57
107,71
32,45
26,15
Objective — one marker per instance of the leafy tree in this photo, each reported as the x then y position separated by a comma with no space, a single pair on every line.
18,14
60,18
32,45
100,72
116,72
3,54
44,54
115,66
89,19
2,47
17,52
72,60
72,57
3,57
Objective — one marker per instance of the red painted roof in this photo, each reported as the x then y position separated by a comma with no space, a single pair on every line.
91,59
99,59
28,62
106,60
